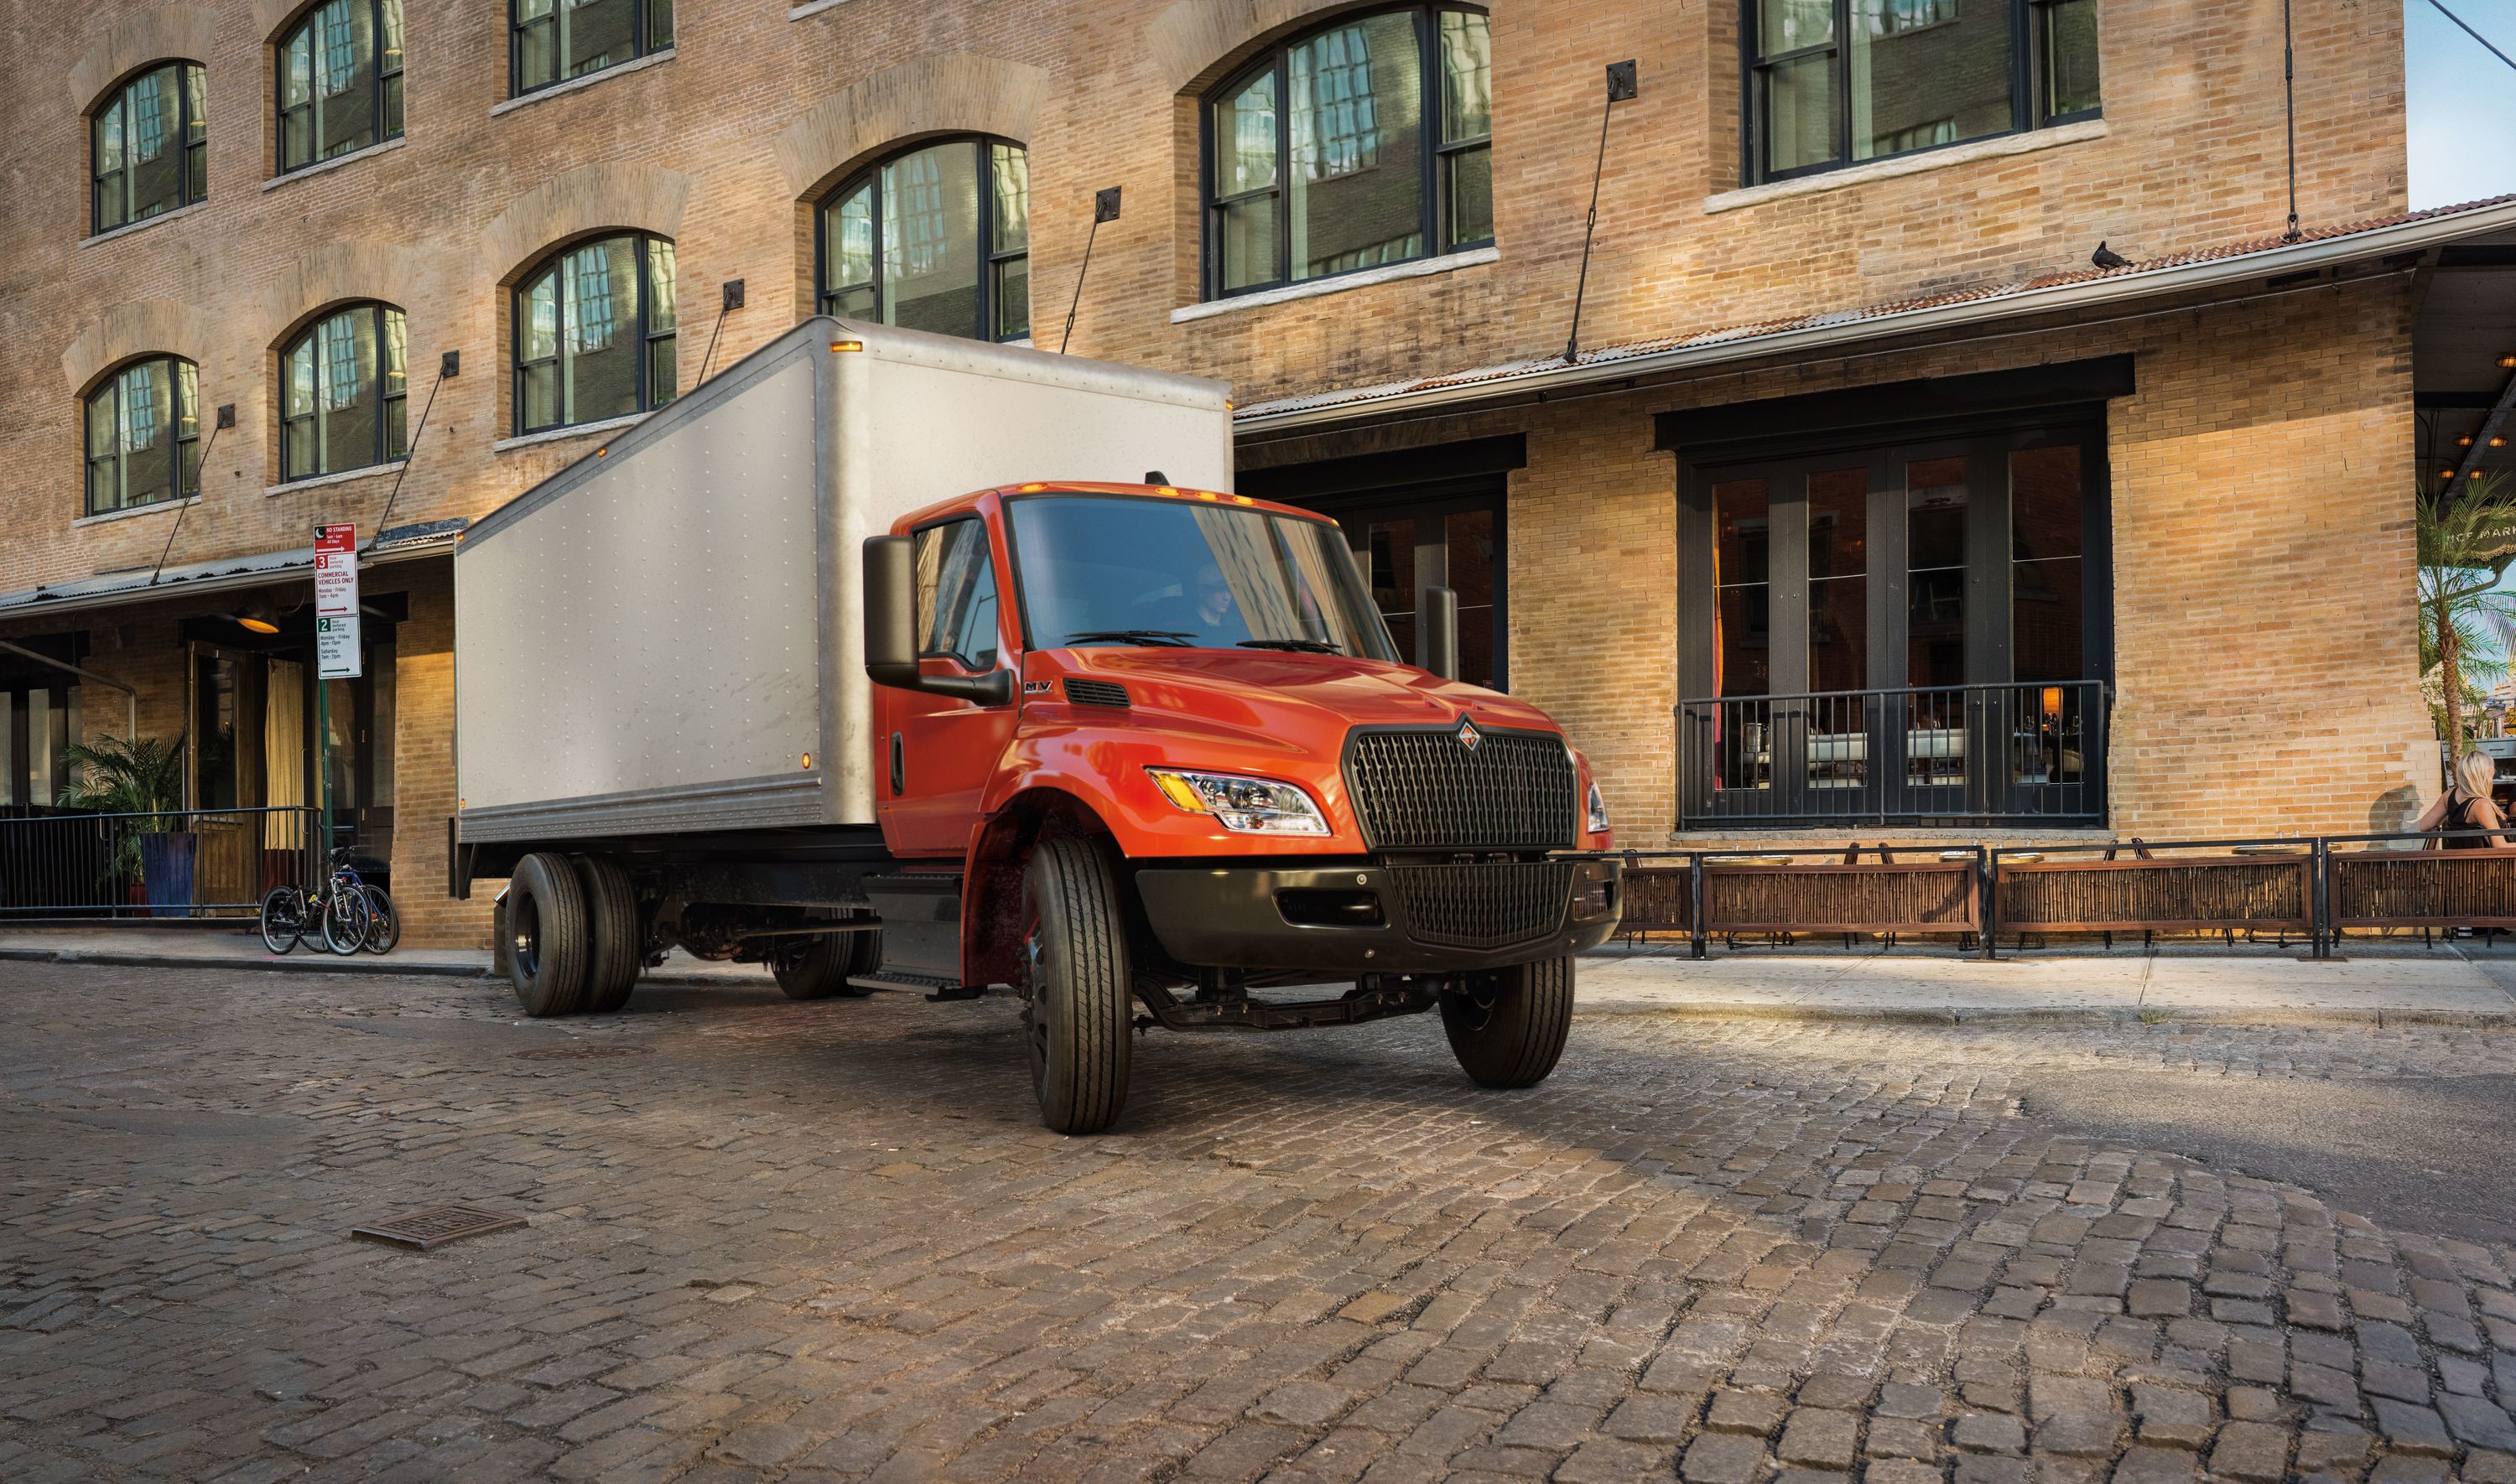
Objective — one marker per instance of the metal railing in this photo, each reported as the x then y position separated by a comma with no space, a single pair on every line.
2312,889
2017,753
66,866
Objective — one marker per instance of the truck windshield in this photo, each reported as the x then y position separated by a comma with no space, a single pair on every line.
1119,570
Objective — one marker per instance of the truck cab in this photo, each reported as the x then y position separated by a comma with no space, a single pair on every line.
1145,744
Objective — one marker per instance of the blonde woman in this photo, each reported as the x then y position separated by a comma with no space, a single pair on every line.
2467,807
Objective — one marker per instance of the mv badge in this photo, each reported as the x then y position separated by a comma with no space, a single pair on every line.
1468,734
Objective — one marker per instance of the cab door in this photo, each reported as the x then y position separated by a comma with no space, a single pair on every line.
938,752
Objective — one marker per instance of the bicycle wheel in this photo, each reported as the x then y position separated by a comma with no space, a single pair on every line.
384,932
346,920
283,918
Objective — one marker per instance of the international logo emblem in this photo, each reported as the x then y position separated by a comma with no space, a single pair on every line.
1468,734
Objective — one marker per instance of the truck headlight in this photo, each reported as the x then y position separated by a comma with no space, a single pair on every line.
1243,806
1597,808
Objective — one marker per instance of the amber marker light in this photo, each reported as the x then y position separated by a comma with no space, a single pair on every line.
842,347
1033,489
807,760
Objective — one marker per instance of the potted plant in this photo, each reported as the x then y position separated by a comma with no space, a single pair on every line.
142,778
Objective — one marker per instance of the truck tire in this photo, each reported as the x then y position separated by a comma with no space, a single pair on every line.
1513,1039
817,968
546,934
615,955
1076,1025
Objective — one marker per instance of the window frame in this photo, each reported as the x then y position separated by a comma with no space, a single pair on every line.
377,82
997,649
1434,198
869,178
385,451
182,450
642,44
196,185
647,335
2030,89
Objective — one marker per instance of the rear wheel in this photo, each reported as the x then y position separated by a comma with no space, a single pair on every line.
283,918
1508,1027
547,941
613,955
818,968
1075,1025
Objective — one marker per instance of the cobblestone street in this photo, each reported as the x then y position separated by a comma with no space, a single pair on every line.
829,1240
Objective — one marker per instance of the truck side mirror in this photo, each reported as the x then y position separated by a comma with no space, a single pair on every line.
1438,631
891,629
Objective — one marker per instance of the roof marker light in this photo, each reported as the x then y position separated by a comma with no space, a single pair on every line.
1033,489
839,346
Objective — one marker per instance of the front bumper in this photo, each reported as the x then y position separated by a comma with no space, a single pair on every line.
1425,918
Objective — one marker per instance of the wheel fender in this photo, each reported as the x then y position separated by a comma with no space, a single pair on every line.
992,877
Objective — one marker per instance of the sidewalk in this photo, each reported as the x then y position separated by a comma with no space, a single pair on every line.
2378,982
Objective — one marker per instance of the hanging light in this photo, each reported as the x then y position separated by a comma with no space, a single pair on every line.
2500,442
2463,441
257,615
2507,361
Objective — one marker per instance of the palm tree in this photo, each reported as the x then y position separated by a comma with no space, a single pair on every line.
2466,540
115,775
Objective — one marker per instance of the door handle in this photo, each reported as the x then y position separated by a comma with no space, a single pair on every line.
899,766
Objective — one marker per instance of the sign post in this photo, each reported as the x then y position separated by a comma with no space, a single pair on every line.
337,654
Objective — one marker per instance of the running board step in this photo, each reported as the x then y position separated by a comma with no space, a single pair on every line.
932,986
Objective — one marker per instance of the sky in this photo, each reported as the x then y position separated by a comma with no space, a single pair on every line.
2462,101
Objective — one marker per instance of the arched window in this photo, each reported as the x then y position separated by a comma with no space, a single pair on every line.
343,389
937,238
148,146
594,333
554,40
144,435
340,81
1369,142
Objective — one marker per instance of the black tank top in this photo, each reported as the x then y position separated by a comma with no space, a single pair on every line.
2459,816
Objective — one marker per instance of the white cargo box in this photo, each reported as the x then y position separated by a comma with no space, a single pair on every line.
665,636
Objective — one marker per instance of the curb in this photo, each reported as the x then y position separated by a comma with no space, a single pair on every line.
2029,1014
318,961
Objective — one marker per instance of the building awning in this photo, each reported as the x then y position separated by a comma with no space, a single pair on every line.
403,543
2409,234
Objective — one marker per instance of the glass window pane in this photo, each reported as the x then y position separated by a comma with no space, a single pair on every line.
1935,506
111,204
147,431
1799,112
345,356
1010,175
1741,522
659,25
388,41
2047,603
1742,621
541,318
1838,558
956,582
1355,192
540,395
196,106
663,371
103,450
597,33
1388,558
187,423
1468,542
1787,25
1471,195
1244,139
1013,298
345,93
536,49
155,149
599,347
847,230
1467,76
1246,239
1927,72
2070,56
297,66
930,240
663,304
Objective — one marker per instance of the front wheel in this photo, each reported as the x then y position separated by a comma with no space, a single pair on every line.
283,918
347,920
384,925
1076,1023
1507,1028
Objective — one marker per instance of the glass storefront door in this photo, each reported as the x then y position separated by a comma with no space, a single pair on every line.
1404,546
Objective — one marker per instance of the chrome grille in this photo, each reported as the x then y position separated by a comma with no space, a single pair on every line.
1483,906
1425,790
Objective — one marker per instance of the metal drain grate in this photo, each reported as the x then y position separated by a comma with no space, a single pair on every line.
579,1053
436,1225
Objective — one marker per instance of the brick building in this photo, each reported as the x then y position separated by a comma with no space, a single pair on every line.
1865,507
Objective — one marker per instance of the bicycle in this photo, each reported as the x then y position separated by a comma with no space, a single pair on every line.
349,913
